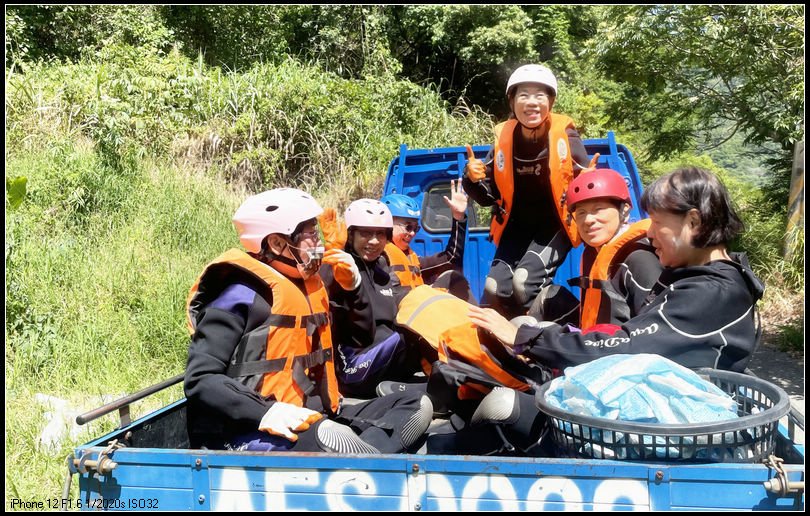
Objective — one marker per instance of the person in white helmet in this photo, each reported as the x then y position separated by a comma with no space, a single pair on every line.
260,373
524,178
370,348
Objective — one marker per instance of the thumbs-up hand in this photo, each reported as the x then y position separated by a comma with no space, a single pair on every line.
475,169
592,164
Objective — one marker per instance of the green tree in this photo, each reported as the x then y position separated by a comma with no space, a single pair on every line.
350,40
66,32
689,71
470,50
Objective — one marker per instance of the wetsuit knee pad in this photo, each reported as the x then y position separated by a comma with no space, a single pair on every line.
491,286
499,406
520,320
336,438
558,304
519,285
418,422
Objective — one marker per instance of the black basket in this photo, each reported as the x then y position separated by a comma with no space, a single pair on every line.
749,438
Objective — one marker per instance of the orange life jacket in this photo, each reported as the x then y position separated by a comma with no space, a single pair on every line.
441,319
601,269
405,266
560,164
288,336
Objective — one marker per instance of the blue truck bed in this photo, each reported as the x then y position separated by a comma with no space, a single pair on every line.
163,475
146,464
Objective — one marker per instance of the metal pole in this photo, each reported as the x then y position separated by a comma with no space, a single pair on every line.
126,400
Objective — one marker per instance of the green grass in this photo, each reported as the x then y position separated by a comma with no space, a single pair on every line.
96,290
134,167
791,337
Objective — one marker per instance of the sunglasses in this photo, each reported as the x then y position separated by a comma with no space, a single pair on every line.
410,228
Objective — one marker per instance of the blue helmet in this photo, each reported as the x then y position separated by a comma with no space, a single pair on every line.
402,206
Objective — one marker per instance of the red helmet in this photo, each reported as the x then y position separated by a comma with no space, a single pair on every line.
602,183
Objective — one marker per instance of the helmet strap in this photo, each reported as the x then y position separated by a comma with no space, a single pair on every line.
538,133
624,212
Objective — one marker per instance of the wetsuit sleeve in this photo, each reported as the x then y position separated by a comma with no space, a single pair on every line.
484,192
636,276
451,258
578,152
352,314
396,285
217,335
675,325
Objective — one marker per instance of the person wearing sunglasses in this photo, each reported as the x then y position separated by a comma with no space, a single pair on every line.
261,366
444,269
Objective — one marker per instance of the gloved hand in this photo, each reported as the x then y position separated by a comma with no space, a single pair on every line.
475,169
334,230
344,267
283,419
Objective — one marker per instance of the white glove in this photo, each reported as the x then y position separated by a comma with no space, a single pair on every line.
283,419
344,267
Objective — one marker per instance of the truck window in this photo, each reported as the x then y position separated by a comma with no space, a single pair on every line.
436,217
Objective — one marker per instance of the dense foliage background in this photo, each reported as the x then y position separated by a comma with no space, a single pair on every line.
133,132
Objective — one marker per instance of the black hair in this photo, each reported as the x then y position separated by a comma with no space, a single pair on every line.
267,255
300,227
690,188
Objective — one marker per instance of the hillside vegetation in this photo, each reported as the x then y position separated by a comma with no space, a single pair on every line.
129,146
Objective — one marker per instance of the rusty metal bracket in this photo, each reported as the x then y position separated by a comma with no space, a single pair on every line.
780,484
103,464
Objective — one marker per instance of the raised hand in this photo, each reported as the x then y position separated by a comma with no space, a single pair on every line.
334,230
592,164
457,201
475,169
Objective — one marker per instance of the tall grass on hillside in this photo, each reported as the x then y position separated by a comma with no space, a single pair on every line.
96,289
105,275
291,124
286,124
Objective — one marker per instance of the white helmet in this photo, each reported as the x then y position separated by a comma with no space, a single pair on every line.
532,73
369,213
275,211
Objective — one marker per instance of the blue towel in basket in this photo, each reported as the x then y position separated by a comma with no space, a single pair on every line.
644,388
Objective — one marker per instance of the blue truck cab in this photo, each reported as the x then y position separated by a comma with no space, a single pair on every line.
425,175
147,464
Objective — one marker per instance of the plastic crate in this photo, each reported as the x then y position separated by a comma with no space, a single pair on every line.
749,438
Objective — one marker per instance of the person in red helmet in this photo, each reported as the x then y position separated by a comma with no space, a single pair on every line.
261,366
619,266
701,311
536,155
